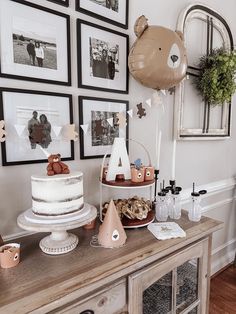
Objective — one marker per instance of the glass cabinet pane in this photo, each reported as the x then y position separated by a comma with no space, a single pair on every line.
157,298
193,311
187,285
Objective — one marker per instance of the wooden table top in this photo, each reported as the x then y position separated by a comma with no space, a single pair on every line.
85,265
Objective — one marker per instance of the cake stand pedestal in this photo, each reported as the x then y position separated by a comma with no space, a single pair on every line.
59,241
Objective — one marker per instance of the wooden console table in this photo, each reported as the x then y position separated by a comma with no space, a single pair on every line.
96,280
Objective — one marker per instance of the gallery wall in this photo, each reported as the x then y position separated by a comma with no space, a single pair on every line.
208,163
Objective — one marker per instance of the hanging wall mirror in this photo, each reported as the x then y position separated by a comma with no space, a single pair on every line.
195,119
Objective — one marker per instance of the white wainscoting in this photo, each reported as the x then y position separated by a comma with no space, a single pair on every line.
212,189
222,254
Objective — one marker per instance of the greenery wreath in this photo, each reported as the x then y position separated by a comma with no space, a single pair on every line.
216,81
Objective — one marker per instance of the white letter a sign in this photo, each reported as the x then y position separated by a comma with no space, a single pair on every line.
119,161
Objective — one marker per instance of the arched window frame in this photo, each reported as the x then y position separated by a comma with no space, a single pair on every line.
213,20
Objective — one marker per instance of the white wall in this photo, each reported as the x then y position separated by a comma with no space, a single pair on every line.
204,162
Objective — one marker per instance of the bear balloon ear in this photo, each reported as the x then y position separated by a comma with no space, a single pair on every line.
140,25
180,34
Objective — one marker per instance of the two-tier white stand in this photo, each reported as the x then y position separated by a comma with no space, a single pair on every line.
59,241
124,186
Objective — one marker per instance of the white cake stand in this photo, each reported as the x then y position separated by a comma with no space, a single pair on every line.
59,241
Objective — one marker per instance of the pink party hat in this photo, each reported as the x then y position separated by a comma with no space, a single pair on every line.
111,232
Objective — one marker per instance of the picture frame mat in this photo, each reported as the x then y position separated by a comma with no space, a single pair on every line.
120,85
16,149
86,104
119,18
18,13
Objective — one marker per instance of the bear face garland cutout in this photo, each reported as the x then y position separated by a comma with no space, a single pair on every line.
69,133
121,120
158,57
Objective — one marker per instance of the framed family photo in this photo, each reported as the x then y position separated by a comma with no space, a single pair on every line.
102,58
100,117
61,2
35,43
35,123
112,11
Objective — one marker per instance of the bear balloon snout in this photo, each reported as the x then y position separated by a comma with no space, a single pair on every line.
174,58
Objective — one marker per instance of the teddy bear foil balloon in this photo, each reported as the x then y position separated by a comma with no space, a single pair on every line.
55,166
158,57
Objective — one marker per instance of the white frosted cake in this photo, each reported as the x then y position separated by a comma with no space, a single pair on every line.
57,195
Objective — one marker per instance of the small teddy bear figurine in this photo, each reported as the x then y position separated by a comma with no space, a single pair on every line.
55,166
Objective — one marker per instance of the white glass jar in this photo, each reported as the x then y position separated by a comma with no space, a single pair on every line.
175,208
195,212
161,208
169,202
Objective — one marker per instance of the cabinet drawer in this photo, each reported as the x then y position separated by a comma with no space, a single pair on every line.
110,300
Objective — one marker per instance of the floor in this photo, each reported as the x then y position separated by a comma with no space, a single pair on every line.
223,292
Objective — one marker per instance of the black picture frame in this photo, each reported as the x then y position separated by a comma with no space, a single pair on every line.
104,18
124,38
61,2
112,110
67,81
5,161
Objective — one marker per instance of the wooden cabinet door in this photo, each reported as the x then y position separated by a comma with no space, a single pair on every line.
177,284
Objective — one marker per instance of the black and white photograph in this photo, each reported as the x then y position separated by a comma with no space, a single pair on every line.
61,2
108,4
31,48
39,130
35,43
103,133
111,11
35,123
99,115
102,58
